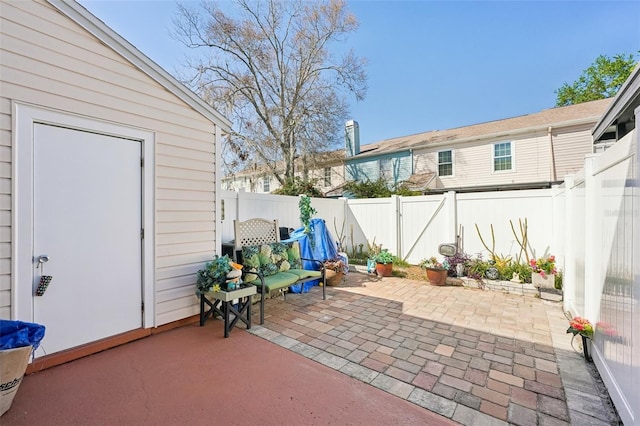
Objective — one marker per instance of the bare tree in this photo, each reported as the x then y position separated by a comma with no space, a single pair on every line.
269,67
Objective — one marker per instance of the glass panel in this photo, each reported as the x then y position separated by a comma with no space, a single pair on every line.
445,170
502,156
444,157
445,163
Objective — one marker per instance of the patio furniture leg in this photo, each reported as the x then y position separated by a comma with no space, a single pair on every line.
262,296
225,308
324,286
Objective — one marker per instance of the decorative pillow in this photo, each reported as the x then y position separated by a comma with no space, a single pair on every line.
293,252
269,259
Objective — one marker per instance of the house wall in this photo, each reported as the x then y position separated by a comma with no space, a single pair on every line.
570,145
473,161
49,61
254,183
368,168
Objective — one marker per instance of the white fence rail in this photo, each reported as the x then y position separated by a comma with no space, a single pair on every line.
602,272
591,224
413,227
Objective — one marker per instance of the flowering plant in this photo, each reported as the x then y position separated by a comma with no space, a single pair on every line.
432,263
336,265
543,265
580,326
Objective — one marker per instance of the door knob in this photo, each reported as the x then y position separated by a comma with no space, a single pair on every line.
43,259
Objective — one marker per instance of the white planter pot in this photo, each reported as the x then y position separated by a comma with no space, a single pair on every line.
538,281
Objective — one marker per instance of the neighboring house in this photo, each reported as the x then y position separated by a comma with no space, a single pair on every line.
107,172
530,151
327,172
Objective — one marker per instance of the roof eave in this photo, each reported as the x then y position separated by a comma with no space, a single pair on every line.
480,138
99,29
629,92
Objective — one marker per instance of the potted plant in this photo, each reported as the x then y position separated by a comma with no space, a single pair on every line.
384,263
436,270
582,327
335,270
221,274
543,271
458,263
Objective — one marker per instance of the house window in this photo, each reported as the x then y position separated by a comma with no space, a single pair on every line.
502,158
266,184
445,163
327,176
386,169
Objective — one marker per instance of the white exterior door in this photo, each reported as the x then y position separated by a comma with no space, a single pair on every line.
87,218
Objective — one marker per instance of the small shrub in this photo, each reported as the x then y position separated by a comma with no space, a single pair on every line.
477,267
558,280
456,259
522,269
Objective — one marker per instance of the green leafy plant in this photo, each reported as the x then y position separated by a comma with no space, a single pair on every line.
214,275
306,212
383,257
522,269
476,269
297,186
558,280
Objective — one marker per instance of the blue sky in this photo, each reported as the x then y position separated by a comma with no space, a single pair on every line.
439,64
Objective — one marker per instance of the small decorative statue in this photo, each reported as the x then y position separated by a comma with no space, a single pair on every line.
516,278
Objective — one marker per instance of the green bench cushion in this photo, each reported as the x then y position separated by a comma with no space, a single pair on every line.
277,281
305,273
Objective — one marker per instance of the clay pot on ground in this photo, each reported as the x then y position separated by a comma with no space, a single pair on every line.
437,276
384,269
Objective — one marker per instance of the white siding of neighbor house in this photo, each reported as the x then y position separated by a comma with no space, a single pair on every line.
50,61
473,161
254,183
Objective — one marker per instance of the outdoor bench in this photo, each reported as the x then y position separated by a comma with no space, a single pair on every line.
275,267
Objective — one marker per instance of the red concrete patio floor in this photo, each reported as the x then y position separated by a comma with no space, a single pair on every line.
377,351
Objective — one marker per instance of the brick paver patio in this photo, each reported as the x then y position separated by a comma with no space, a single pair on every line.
474,356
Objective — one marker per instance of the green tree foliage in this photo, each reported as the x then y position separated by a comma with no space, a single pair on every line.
601,80
299,186
377,189
368,189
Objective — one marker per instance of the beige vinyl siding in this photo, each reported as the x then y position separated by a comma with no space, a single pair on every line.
473,163
570,145
50,61
5,205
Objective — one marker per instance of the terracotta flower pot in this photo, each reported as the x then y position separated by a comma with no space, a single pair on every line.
437,276
384,269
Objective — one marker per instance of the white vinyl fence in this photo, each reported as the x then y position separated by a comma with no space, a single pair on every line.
412,228
602,271
591,224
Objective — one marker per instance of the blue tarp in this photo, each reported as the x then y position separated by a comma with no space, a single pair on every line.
16,334
317,245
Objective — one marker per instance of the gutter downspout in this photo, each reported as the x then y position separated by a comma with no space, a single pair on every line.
552,172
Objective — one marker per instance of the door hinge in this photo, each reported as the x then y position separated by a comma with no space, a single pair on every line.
141,161
142,234
142,306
